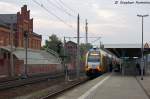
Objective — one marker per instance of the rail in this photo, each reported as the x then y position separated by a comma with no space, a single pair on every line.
20,82
65,88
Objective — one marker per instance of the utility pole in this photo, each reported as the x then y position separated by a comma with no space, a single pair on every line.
100,46
64,46
11,48
78,47
142,47
86,31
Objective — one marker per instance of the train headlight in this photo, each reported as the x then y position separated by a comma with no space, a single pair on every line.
97,67
89,66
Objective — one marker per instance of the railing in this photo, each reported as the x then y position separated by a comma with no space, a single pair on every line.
55,54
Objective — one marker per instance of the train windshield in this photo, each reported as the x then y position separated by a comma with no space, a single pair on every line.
94,57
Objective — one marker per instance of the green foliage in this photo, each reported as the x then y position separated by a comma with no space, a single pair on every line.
54,44
83,49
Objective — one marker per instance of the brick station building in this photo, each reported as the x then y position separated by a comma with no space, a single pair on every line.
21,23
39,61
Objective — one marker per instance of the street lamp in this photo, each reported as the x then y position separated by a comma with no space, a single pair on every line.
142,61
78,48
63,61
26,35
11,48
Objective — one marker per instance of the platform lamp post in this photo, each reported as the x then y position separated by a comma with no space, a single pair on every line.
11,48
78,48
26,53
64,64
100,42
142,48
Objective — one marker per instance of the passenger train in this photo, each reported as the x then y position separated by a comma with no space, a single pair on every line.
99,61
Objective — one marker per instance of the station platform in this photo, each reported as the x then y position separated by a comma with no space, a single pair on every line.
145,83
111,86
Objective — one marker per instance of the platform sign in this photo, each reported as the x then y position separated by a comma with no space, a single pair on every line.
146,47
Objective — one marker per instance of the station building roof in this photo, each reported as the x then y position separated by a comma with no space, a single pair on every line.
125,50
122,45
34,56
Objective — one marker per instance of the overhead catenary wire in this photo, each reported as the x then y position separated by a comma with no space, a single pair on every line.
81,37
53,14
60,8
62,3
65,6
98,38
74,37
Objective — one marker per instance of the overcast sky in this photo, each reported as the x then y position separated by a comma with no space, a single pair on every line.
115,23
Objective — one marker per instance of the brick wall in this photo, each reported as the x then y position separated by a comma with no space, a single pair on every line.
4,36
33,69
24,23
19,67
49,68
4,67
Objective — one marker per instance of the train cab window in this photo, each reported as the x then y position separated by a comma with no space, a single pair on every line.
94,53
93,58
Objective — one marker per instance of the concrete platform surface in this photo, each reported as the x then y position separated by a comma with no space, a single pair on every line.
108,86
145,83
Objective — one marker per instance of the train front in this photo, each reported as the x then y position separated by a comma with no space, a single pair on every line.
92,67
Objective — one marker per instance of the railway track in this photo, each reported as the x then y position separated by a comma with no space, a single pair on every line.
65,87
20,82
39,84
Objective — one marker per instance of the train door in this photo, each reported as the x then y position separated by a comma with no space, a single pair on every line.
103,63
107,63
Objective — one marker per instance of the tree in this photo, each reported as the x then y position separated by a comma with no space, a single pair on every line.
54,44
83,49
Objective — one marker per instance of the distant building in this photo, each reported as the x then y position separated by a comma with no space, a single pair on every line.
71,48
21,23
71,51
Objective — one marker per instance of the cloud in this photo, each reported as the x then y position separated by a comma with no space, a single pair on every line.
104,18
6,7
47,23
95,6
105,13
